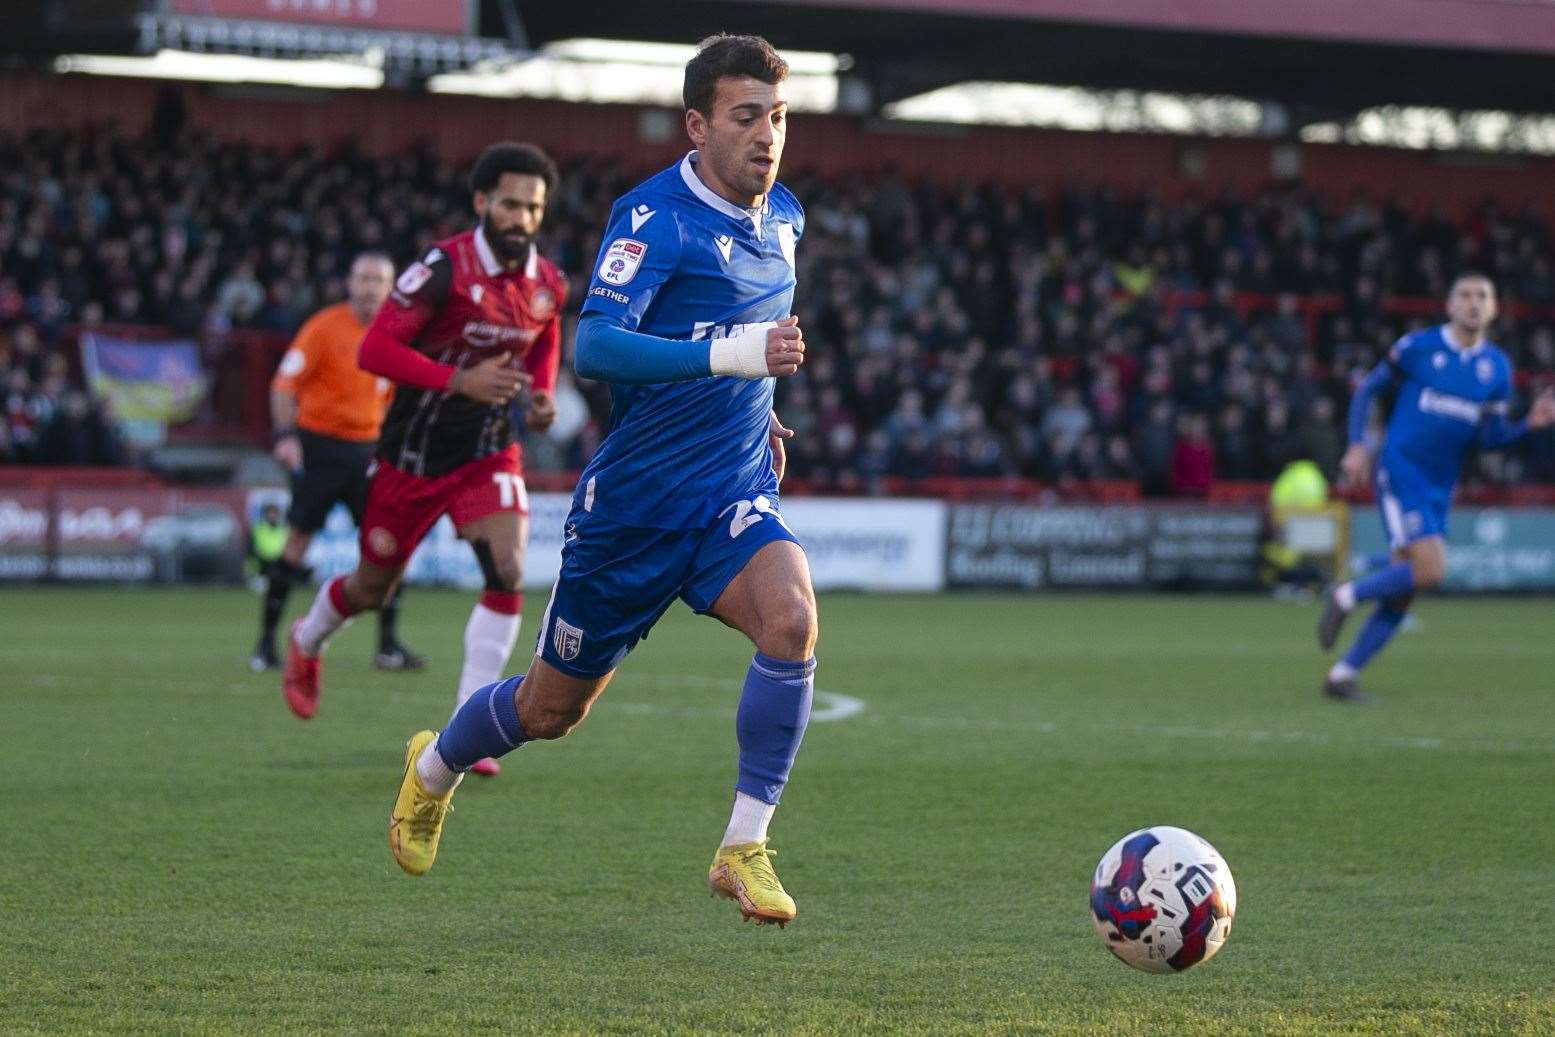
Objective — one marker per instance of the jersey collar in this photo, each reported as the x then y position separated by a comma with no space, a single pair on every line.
1461,350
723,205
493,266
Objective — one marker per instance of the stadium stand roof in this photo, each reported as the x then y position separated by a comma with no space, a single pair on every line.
1321,59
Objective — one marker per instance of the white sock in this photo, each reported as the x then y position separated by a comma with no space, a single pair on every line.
435,775
1341,671
1344,596
749,820
321,621
489,637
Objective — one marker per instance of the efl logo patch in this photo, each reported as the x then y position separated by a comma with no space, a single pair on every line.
413,277
621,261
381,541
567,640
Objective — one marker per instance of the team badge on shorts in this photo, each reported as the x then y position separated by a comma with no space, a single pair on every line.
382,542
621,261
567,640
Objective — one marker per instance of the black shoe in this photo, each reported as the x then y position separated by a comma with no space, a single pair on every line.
1331,621
264,658
396,656
1345,690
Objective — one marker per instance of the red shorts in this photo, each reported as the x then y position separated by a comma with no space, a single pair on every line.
402,507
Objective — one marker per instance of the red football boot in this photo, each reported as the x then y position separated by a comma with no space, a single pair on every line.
300,678
488,767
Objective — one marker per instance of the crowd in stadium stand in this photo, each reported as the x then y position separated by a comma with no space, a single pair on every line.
955,329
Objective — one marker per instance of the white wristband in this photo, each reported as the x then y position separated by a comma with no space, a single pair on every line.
743,355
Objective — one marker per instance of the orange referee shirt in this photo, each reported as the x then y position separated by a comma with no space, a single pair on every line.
335,397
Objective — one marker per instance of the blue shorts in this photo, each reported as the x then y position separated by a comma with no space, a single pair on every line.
616,581
1412,509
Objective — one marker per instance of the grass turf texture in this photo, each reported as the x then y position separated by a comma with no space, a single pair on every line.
181,854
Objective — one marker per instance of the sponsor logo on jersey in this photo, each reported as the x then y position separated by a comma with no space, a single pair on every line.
483,334
1446,405
476,291
622,258
606,293
708,330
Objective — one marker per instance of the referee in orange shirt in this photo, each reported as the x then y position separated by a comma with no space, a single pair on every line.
326,412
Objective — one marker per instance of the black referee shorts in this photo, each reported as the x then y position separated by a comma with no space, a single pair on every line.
332,470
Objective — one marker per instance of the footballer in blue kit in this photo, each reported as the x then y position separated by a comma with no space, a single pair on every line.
687,317
1454,390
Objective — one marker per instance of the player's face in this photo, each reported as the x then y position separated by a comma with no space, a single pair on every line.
742,143
1472,304
368,285
511,213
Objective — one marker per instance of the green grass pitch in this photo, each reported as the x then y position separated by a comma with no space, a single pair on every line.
181,855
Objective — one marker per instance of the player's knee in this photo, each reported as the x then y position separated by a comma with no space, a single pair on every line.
501,570
1428,571
368,595
789,629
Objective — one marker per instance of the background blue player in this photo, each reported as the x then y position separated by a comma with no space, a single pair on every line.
1454,390
687,316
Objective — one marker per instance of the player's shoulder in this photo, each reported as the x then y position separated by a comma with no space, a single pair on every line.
430,277
1421,340
551,276
324,321
784,206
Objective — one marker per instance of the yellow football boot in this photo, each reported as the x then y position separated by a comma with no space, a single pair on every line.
742,872
416,823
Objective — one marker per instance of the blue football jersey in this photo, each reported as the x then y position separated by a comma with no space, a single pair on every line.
679,262
1444,395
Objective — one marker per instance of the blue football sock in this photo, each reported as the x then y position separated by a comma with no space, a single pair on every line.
1380,560
486,725
1391,582
774,708
1378,630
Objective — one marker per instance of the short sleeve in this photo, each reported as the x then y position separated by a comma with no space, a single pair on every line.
639,253
299,360
418,292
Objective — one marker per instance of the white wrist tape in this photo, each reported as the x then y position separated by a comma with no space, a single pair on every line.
743,355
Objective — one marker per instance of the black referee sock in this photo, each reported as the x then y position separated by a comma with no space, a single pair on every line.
389,621
278,587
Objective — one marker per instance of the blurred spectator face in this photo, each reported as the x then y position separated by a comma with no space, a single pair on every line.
1472,304
511,213
369,282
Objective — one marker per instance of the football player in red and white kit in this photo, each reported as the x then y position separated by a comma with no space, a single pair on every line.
465,329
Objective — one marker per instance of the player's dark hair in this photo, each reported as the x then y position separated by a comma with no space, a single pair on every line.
1472,275
511,157
728,55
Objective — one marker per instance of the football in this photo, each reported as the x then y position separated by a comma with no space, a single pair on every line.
1163,899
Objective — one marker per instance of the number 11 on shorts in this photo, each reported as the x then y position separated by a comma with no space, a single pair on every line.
511,491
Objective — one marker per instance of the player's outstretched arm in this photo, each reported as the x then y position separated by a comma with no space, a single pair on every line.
608,352
1356,463
1496,431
